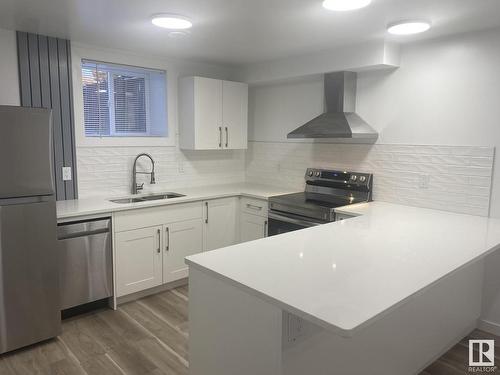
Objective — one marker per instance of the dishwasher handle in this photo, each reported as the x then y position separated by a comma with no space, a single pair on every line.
82,234
83,228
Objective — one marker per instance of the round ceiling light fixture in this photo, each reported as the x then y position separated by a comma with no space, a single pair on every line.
408,27
344,5
171,21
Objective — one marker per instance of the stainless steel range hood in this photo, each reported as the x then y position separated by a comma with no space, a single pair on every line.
339,123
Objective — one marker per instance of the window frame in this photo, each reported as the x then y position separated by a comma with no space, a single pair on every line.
81,53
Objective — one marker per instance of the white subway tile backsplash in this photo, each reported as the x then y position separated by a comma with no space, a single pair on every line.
481,161
459,177
480,181
471,171
108,170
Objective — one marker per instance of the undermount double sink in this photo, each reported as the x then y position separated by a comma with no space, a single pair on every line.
147,198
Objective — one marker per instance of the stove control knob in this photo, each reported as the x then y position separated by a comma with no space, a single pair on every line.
310,173
354,177
362,178
317,174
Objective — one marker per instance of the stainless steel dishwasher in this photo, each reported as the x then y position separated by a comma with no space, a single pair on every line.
85,261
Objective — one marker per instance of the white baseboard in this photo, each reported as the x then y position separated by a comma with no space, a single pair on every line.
490,327
151,291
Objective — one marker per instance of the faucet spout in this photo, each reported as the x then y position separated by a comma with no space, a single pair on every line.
136,187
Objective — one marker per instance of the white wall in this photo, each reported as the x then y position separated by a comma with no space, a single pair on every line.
446,92
459,176
107,170
375,54
105,165
9,86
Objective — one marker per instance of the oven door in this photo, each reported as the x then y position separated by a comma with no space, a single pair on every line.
282,223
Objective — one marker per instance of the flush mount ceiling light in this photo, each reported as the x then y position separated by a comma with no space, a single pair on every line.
408,27
343,5
171,21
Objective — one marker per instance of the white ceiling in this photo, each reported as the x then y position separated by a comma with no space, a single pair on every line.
238,31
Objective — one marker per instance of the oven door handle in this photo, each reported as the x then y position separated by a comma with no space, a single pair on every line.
286,219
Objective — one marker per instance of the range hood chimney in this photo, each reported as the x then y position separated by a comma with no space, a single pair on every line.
339,123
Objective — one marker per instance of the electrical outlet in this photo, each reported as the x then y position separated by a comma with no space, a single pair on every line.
423,181
180,166
66,174
295,327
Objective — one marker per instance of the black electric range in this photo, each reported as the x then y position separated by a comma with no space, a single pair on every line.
325,190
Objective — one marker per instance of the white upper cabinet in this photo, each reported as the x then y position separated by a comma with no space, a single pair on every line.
235,114
213,114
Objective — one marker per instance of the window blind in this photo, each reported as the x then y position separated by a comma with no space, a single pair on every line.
123,101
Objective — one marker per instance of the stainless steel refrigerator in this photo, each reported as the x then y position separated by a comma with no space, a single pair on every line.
29,262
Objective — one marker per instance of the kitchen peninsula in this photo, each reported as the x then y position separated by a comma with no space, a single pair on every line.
385,292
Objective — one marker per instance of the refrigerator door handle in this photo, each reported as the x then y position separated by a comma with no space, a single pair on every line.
25,200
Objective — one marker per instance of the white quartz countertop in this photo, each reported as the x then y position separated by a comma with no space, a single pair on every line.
346,274
102,205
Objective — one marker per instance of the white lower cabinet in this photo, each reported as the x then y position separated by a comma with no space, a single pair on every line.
180,240
252,227
150,244
221,224
253,219
138,260
151,256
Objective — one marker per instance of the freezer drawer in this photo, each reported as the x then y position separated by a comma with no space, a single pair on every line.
86,265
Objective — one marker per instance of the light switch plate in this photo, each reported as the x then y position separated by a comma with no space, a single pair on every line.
181,166
423,181
66,174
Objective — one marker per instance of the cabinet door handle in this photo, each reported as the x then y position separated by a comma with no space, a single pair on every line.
265,228
167,233
254,207
158,250
227,137
220,137
206,219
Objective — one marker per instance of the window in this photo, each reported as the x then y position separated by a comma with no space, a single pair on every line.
123,101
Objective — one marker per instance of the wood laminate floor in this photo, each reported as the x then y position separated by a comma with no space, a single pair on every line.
146,337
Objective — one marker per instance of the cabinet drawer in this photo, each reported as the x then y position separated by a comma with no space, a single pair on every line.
147,217
254,206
